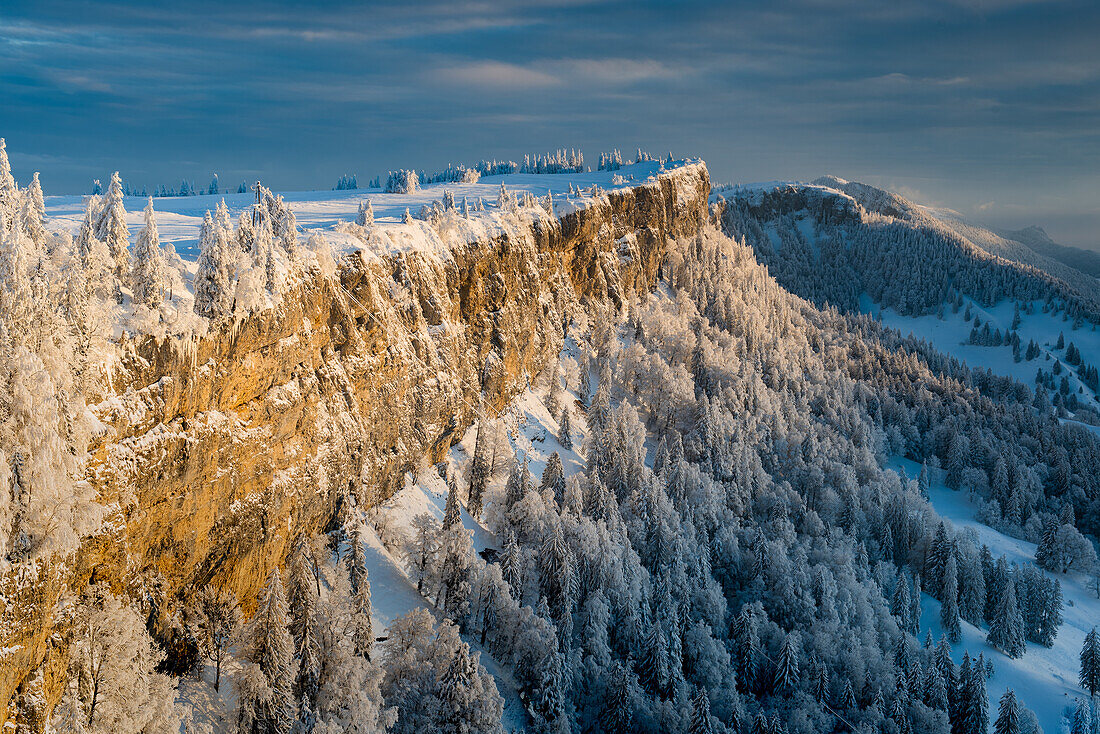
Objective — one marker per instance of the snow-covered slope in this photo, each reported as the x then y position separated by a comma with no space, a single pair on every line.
950,335
1044,679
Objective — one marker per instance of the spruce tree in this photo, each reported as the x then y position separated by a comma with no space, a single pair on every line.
900,605
150,271
1090,663
974,704
1008,715
1006,631
267,644
451,515
949,609
700,713
786,668
565,429
214,277
111,229
479,471
553,479
745,645
914,612
654,669
617,715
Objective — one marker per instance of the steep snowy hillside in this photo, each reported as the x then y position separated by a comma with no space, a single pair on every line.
990,301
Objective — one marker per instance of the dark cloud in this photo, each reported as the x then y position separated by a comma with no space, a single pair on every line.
989,106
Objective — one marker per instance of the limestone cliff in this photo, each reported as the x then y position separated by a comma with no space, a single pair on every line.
220,451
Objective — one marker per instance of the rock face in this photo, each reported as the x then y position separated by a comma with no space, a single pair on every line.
221,451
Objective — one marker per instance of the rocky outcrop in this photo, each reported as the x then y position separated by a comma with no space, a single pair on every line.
218,452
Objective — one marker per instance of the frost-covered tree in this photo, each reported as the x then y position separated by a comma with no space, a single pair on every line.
1006,630
1008,715
949,608
9,191
1063,548
1090,663
565,428
700,714
214,277
480,471
112,661
32,213
433,681
266,648
111,229
786,668
422,548
553,480
213,617
150,273
365,216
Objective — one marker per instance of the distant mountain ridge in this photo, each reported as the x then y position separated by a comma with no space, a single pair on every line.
1036,238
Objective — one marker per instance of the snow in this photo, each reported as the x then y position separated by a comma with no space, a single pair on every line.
179,217
1044,679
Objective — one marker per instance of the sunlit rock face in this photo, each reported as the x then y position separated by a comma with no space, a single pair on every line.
219,451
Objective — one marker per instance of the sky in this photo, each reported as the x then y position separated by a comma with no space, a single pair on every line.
989,107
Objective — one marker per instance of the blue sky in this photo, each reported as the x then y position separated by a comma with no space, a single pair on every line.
991,107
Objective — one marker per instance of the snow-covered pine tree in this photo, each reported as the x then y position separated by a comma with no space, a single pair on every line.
512,565
974,704
617,714
900,605
453,576
111,230
1006,631
700,713
16,300
451,515
1090,663
301,599
949,609
553,480
786,667
150,273
214,277
365,216
265,687
479,471
33,213
1008,712
1082,719
745,646
914,600
9,191
565,428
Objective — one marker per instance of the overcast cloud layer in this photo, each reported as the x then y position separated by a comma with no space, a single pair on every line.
989,107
